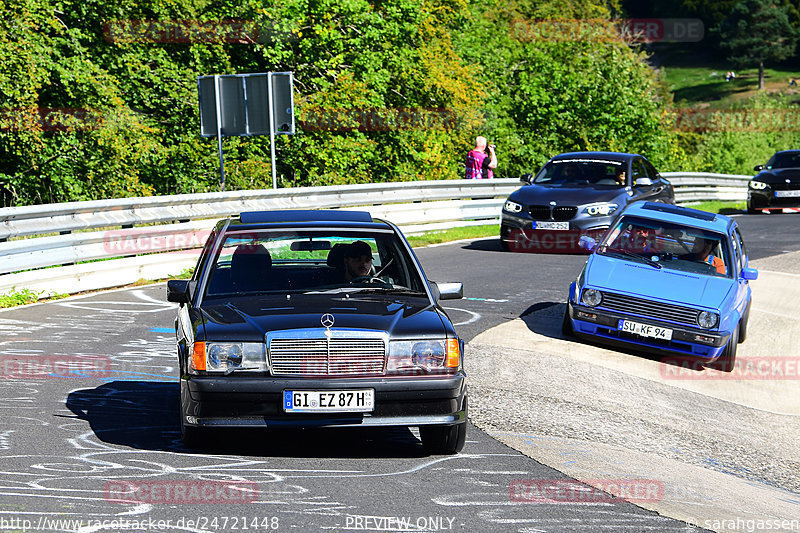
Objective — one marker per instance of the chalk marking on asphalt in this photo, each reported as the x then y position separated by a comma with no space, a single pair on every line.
474,318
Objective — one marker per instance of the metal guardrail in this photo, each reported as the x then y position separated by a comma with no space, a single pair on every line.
127,239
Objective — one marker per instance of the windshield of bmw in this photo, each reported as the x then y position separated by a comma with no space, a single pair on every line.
664,245
785,160
312,261
575,172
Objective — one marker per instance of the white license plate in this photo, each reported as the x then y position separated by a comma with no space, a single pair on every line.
645,330
787,194
329,401
551,225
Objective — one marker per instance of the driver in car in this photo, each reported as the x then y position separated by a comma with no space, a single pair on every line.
702,252
357,260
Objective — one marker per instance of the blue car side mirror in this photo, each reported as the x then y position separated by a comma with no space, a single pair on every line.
587,243
749,274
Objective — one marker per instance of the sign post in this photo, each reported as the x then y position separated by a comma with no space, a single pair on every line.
246,105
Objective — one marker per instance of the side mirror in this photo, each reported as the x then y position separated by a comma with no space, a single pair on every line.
180,290
587,243
526,178
749,274
643,182
447,290
758,168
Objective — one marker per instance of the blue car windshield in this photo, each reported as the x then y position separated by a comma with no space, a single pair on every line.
671,246
580,172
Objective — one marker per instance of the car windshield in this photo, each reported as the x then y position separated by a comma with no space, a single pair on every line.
670,246
312,261
785,160
576,172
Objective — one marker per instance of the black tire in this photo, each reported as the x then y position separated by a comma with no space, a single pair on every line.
443,440
504,232
566,324
727,359
752,210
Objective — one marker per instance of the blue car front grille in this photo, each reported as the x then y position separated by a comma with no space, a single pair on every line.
649,309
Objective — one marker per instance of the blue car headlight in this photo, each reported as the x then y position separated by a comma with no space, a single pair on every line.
757,185
601,209
592,297
707,319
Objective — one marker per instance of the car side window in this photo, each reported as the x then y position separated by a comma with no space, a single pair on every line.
638,170
651,170
737,252
742,247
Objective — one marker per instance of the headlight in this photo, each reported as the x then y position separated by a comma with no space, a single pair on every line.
414,357
591,297
758,185
707,319
603,209
228,356
512,207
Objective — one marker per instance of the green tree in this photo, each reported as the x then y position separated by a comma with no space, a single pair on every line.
755,32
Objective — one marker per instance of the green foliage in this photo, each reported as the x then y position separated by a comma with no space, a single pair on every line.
18,297
559,85
98,98
755,32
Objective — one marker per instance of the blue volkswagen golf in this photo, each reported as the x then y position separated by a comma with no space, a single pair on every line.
665,279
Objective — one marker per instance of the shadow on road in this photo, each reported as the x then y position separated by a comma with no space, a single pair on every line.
144,415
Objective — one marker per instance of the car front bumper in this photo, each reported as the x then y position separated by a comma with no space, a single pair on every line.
603,326
767,199
521,236
240,401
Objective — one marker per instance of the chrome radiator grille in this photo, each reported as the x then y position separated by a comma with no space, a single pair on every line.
323,356
650,309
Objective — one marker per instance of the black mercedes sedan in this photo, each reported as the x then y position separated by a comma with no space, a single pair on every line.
575,194
317,318
777,184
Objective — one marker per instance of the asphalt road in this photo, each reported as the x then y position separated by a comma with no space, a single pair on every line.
73,445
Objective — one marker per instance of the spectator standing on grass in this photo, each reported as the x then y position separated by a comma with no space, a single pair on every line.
480,161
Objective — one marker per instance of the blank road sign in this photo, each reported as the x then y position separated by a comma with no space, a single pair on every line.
244,104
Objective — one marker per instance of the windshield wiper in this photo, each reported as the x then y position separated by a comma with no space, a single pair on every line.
391,290
628,253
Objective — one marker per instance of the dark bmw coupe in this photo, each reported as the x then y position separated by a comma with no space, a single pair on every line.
317,319
777,184
577,194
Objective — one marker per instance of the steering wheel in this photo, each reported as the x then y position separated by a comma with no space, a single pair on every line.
367,279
